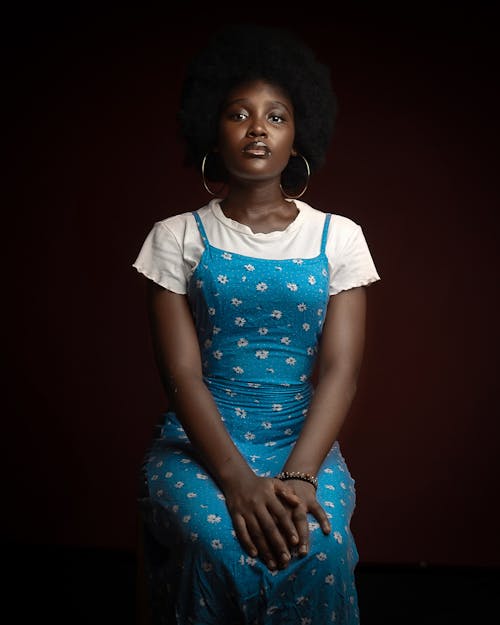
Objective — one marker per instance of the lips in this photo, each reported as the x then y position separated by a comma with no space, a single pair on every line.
258,149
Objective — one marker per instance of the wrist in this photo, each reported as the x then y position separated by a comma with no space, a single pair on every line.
298,475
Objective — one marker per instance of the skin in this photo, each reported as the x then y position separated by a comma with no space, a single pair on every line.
269,516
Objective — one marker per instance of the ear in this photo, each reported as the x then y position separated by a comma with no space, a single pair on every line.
294,152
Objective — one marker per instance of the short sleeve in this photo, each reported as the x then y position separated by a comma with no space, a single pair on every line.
351,263
161,260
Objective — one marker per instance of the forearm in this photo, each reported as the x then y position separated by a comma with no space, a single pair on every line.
201,420
326,415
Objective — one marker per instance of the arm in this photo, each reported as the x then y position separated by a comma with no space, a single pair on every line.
256,505
340,358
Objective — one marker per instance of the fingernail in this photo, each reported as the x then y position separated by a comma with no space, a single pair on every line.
303,549
295,539
271,564
285,557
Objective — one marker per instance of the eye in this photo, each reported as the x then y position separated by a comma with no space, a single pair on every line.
276,118
237,116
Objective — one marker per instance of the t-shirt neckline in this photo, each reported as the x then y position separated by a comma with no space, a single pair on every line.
217,211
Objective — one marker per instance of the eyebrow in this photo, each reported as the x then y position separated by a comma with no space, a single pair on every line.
271,102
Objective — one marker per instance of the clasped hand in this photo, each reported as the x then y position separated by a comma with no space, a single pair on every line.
270,517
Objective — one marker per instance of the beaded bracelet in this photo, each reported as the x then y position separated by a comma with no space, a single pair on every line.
297,475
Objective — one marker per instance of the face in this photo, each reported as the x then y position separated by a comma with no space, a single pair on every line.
256,131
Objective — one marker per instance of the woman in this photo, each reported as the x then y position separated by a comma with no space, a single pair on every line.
251,298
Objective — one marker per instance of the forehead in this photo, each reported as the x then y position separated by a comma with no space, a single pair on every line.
259,90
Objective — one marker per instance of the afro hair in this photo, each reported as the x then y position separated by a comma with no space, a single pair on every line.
242,52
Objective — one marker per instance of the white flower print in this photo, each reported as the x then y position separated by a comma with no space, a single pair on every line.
253,384
329,504
311,280
342,485
343,502
206,566
298,261
330,579
270,370
193,536
199,284
239,370
289,431
222,279
319,312
236,302
242,342
313,526
305,620
270,443
249,436
328,470
213,518
216,543
217,354
211,311
321,556
249,267
175,509
227,256
303,378
324,272
276,314
286,340
186,461
229,392
300,600
191,495
221,497
251,561
266,425
306,327
215,330
202,476
338,537
159,464
168,474
262,354
299,396
292,286
277,407
272,609
179,484
263,331
207,343
261,286
310,351
240,321
240,412
278,268
159,492
186,518
302,306
290,361
329,487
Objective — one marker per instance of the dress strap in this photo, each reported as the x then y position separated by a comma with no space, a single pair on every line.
324,238
201,228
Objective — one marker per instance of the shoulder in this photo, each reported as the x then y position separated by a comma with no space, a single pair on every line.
340,229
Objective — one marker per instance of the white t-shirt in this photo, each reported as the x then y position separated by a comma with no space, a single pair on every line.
173,247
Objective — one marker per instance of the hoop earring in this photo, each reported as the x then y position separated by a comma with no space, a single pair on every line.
296,197
204,179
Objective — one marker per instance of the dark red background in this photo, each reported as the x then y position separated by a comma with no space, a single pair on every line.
94,159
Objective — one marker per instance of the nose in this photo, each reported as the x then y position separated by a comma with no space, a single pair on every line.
256,129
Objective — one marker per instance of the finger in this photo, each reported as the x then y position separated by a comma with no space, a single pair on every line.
270,540
302,526
240,527
320,515
286,493
283,518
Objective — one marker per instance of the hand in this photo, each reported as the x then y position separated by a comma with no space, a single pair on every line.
308,504
261,510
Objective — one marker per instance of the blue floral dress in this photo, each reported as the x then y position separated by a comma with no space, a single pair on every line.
259,322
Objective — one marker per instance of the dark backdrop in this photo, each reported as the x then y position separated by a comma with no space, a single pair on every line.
93,159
